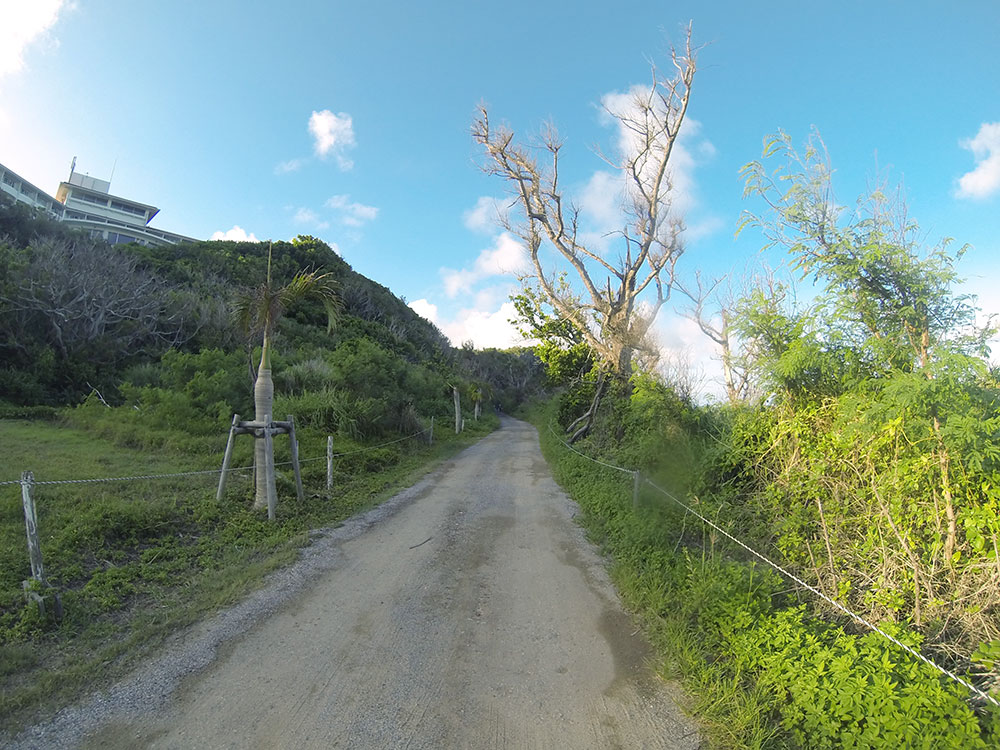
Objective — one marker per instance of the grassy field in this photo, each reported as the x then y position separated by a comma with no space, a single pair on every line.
136,560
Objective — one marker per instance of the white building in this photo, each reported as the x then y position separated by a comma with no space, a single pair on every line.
86,203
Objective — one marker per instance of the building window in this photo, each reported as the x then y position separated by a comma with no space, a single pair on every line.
116,238
119,206
91,199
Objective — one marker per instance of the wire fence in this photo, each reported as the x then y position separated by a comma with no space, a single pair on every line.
207,472
790,576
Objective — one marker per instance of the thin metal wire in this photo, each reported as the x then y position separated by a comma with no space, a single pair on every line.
589,458
791,576
140,477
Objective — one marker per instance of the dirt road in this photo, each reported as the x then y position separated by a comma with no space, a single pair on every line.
474,616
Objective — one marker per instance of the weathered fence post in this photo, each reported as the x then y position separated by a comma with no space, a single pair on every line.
458,410
430,435
636,478
31,526
37,589
227,459
329,462
295,459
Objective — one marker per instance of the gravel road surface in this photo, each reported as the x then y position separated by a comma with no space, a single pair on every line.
468,612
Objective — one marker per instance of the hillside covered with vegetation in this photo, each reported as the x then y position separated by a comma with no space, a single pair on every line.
128,361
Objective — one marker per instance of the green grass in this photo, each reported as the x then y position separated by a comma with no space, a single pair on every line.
134,561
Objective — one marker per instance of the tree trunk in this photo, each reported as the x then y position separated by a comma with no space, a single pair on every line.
263,397
586,420
479,409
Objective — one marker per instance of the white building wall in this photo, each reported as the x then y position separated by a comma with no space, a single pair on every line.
88,205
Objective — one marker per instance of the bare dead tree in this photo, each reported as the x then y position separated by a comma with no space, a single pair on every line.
716,323
604,311
651,235
91,300
715,308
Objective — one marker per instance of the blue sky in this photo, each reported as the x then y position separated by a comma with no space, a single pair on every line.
351,121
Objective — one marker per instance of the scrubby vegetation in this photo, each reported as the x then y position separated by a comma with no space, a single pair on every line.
864,458
125,361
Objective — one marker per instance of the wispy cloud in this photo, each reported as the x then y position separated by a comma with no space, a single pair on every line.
333,135
22,23
351,213
484,216
310,218
627,104
506,256
292,165
236,234
984,180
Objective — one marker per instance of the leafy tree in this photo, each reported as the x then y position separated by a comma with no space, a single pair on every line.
258,311
876,454
560,344
887,300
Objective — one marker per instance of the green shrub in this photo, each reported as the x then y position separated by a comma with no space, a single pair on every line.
764,671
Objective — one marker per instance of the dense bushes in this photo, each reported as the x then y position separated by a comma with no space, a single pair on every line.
766,670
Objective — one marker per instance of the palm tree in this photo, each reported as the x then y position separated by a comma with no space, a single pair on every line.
476,394
258,311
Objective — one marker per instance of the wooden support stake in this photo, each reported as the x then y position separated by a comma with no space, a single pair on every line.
430,435
272,492
228,458
636,478
31,526
36,590
329,462
295,459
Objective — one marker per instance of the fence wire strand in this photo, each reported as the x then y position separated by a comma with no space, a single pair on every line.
140,477
791,576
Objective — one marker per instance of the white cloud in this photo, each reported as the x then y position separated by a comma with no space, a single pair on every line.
21,23
984,180
685,348
601,200
484,328
350,213
333,134
484,216
507,256
292,165
482,325
236,234
310,217
682,160
425,309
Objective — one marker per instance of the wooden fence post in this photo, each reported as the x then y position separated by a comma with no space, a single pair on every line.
31,526
636,478
299,493
430,435
227,459
37,589
329,462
